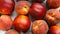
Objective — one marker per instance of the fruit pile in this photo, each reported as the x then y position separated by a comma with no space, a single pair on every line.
33,17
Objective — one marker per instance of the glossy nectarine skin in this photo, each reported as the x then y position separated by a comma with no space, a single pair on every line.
6,6
22,23
53,16
53,3
5,22
39,27
54,30
37,11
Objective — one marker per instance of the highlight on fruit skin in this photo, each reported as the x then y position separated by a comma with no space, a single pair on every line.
22,7
37,11
21,23
39,27
5,22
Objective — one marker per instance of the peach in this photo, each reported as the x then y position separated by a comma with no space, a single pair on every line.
39,27
12,32
5,22
22,7
53,16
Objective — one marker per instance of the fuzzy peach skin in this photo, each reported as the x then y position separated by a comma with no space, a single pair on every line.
39,27
22,7
53,16
5,22
11,31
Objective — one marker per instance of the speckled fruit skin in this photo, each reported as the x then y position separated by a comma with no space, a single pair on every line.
39,27
54,30
5,22
22,23
53,3
22,7
11,31
37,11
53,16
6,6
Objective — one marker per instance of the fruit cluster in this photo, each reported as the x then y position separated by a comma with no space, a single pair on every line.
34,15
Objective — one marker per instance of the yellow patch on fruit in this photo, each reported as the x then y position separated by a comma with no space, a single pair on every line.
52,14
38,24
3,10
23,10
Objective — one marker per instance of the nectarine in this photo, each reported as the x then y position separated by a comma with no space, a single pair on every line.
22,23
6,6
37,11
54,30
53,3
